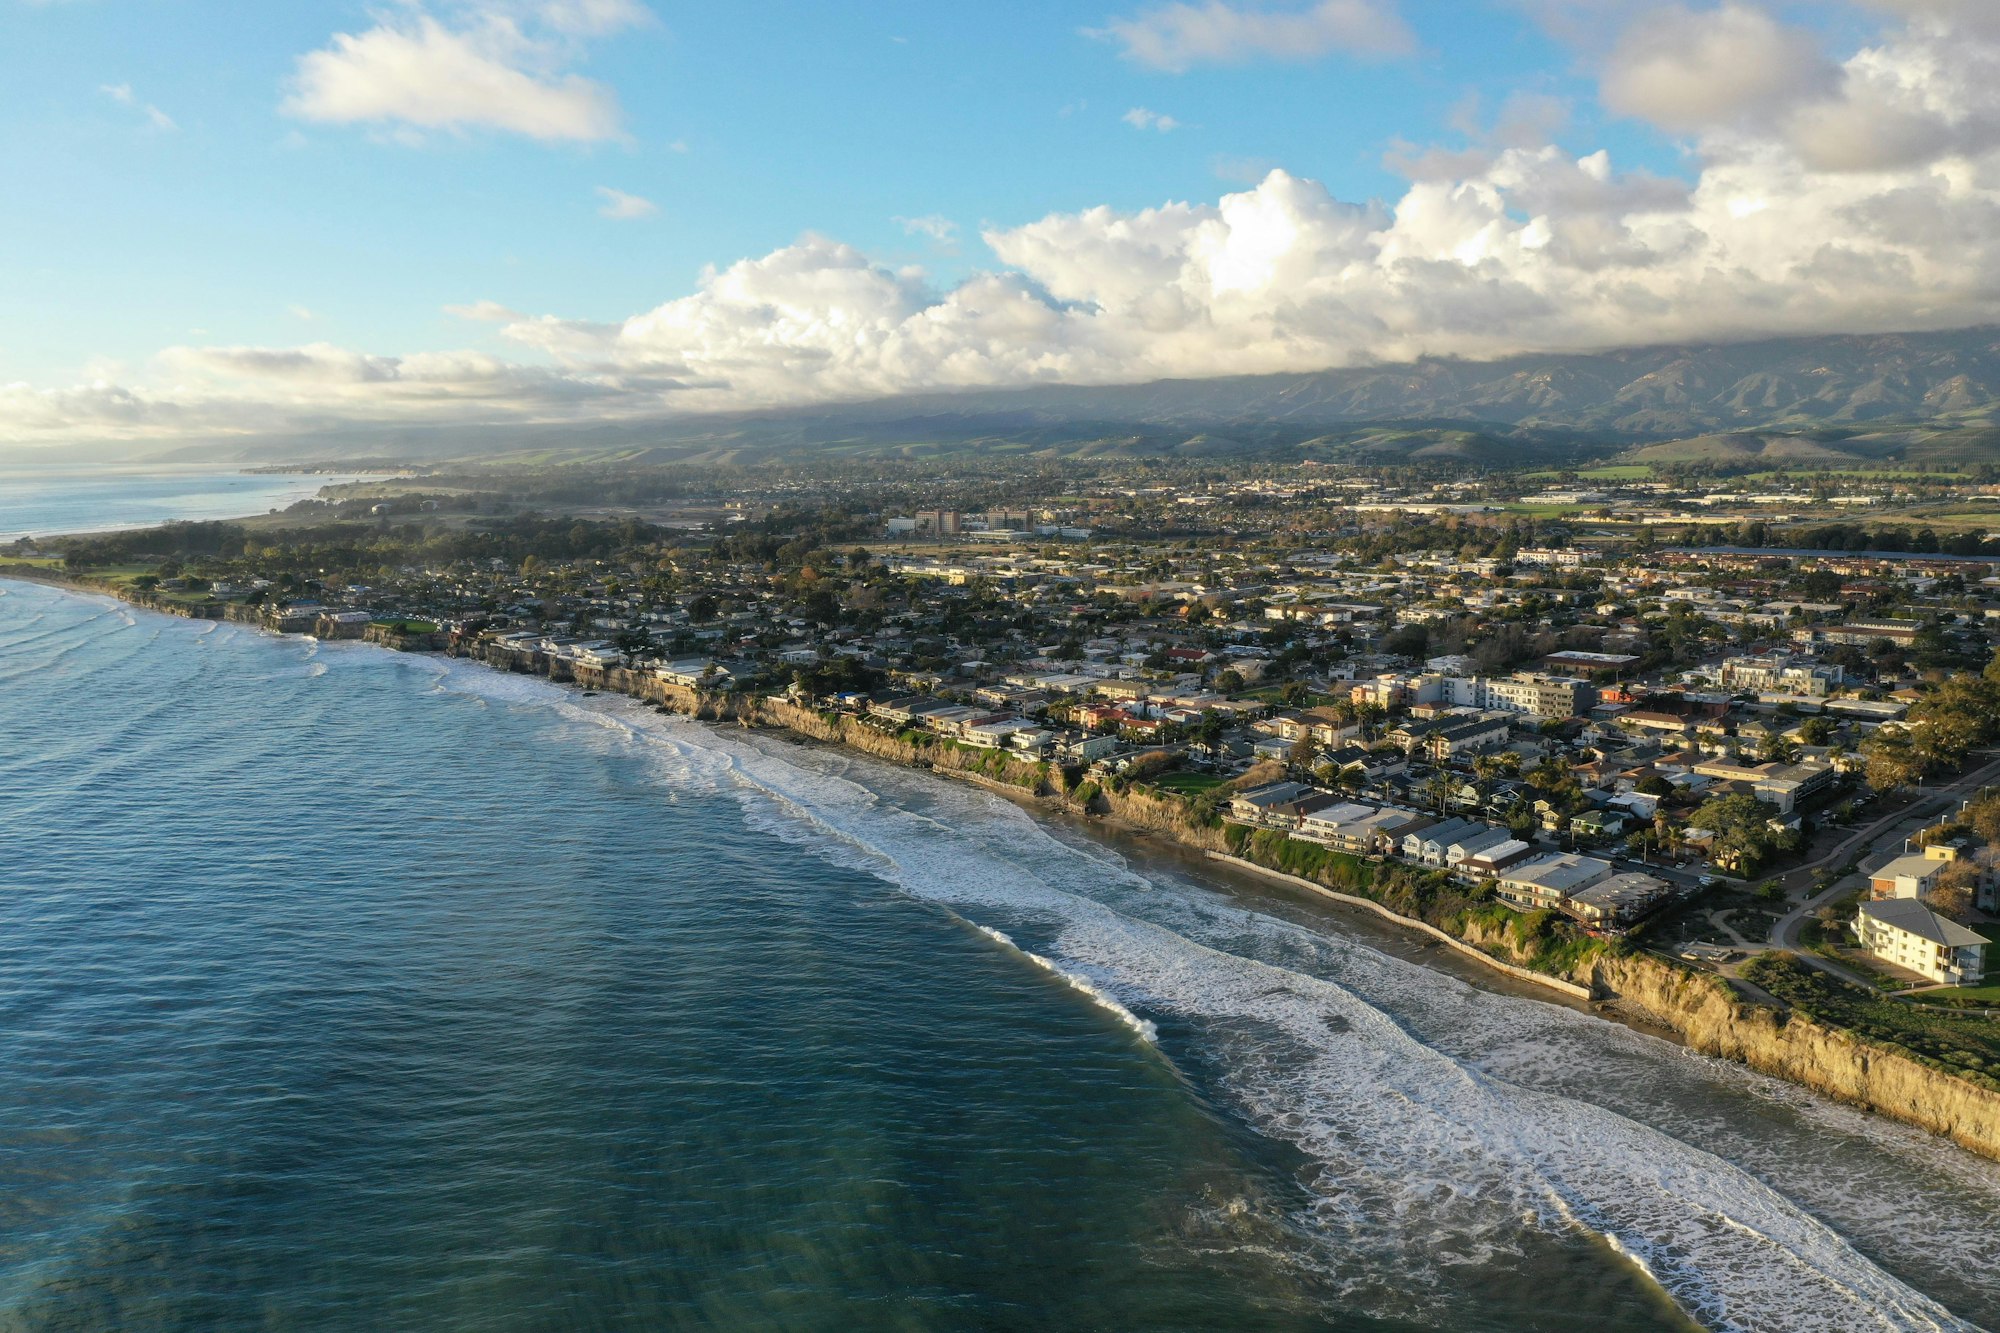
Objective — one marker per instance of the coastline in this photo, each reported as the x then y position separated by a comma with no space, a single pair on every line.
1639,990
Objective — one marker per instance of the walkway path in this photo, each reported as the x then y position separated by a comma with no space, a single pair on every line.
1785,933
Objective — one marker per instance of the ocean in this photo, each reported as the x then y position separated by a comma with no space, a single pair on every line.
45,500
342,989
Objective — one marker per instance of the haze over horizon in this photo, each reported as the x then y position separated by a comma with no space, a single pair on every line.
540,211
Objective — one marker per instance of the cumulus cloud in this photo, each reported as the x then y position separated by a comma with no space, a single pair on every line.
1927,89
1139,118
1976,16
1796,222
622,207
413,73
1685,70
1176,37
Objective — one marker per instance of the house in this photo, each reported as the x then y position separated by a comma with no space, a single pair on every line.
1087,749
1322,725
1456,738
597,654
1433,844
1012,733
1465,848
1910,876
342,624
1597,824
1269,804
1783,785
1489,861
1906,933
1549,880
693,671
1617,901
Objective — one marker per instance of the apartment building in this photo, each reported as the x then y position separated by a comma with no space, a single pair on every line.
1907,934
1780,674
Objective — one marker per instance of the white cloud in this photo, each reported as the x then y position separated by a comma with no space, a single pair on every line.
1976,16
122,94
1734,76
622,207
1178,36
487,312
1687,70
939,229
305,314
588,18
1139,118
412,73
1865,202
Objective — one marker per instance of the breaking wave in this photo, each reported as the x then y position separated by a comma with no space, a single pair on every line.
1147,1031
1436,1146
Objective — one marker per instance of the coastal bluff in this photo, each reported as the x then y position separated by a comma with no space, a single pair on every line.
1710,1018
1699,1009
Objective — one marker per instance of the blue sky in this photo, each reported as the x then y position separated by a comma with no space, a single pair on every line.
168,187
748,124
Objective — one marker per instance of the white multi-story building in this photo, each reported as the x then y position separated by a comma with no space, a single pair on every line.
1908,934
1565,557
1780,674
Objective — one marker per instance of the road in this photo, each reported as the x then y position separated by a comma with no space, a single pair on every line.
1939,800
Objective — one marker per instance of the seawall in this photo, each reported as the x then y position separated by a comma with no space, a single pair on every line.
1543,979
1699,1008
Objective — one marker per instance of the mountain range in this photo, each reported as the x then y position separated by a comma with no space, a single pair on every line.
1804,400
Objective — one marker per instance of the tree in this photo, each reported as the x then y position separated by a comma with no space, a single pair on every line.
1891,762
1984,816
1957,885
636,643
1778,748
1408,641
1304,752
1741,825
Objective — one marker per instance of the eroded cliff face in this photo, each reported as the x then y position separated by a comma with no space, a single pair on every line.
1491,937
1698,1007
1168,818
1839,1064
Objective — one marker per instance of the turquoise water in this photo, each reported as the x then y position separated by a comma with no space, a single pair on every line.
342,989
44,501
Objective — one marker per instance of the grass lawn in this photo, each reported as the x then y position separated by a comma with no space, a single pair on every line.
117,573
407,626
1610,472
31,562
1964,1043
1185,783
1970,997
1547,511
